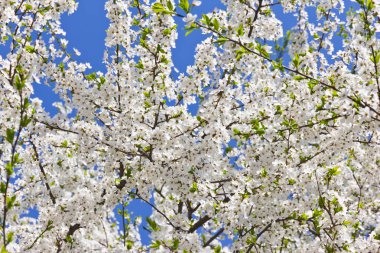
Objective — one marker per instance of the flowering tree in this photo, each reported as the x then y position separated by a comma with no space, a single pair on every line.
282,154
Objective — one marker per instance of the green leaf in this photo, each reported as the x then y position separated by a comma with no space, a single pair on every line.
147,148
29,49
190,28
146,94
177,115
69,239
3,249
194,188
311,84
17,159
218,249
64,144
139,65
317,213
175,244
155,245
296,61
304,217
263,173
299,78
206,20
135,22
9,238
91,77
189,31
28,7
221,40
147,104
164,60
61,67
240,52
9,169
168,31
159,8
370,5
170,5
43,10
375,58
152,224
338,209
334,171
216,24
19,83
329,249
361,2
279,110
267,12
26,103
262,51
240,30
10,201
236,131
25,121
129,244
129,173
3,187
321,202
278,65
184,5
10,135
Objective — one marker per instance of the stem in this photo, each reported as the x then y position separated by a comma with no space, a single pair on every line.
8,175
123,214
213,237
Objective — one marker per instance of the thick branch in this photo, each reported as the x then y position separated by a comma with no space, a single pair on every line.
199,223
220,231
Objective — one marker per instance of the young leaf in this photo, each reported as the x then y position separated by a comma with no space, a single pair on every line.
10,135
221,40
184,5
152,224
170,5
240,30
29,49
216,24
159,8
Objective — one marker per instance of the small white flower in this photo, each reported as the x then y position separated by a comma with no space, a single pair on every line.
36,102
196,3
76,52
64,43
190,18
64,109
66,59
377,27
